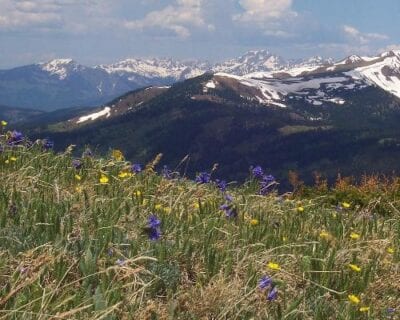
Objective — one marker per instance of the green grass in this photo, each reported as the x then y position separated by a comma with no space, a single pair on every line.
76,249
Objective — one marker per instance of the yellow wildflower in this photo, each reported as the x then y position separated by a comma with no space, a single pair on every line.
103,179
13,159
354,236
353,299
118,155
78,189
254,222
4,123
196,205
284,239
390,250
124,174
167,210
364,309
273,266
354,267
78,177
138,193
158,206
324,235
346,205
7,161
300,209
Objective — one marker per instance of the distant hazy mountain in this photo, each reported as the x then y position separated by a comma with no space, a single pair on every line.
63,83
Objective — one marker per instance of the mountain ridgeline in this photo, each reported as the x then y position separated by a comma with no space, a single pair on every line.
327,117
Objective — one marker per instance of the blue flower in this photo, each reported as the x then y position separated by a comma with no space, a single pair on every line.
229,209
47,144
257,172
221,184
264,282
120,262
273,294
153,221
228,198
136,168
266,183
15,138
203,177
154,234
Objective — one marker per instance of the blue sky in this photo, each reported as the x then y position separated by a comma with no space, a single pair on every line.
104,31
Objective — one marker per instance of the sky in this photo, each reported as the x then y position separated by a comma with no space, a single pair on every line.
105,31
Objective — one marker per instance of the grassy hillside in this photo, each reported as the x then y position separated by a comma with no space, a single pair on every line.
95,238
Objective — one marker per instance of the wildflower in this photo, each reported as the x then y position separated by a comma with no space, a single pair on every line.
257,172
136,168
158,206
77,164
228,198
196,205
390,250
284,239
266,183
15,138
47,144
354,236
364,309
300,209
78,189
167,210
354,267
137,193
254,222
153,222
390,310
7,161
273,294
229,209
324,235
124,174
221,185
353,299
13,159
346,205
103,179
3,123
203,178
117,155
273,266
264,282
153,230
78,177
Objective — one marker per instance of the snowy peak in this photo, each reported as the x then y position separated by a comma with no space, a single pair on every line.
61,68
156,68
250,62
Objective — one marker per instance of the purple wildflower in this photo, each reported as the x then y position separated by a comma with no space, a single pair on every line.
264,282
229,209
273,294
266,183
87,153
136,168
15,138
221,184
257,172
120,262
203,178
47,144
228,198
154,234
153,221
77,164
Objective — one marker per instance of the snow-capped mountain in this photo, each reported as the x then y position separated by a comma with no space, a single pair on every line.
62,83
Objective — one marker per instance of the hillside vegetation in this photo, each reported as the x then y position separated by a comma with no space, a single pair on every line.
102,238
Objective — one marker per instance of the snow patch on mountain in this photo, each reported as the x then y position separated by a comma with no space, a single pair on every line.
106,112
61,67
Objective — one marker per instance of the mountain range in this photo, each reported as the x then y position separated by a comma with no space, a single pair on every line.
318,115
63,83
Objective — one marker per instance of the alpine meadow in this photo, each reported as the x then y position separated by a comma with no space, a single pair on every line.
199,160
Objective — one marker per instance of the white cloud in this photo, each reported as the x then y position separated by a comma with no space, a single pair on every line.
178,18
362,38
264,11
